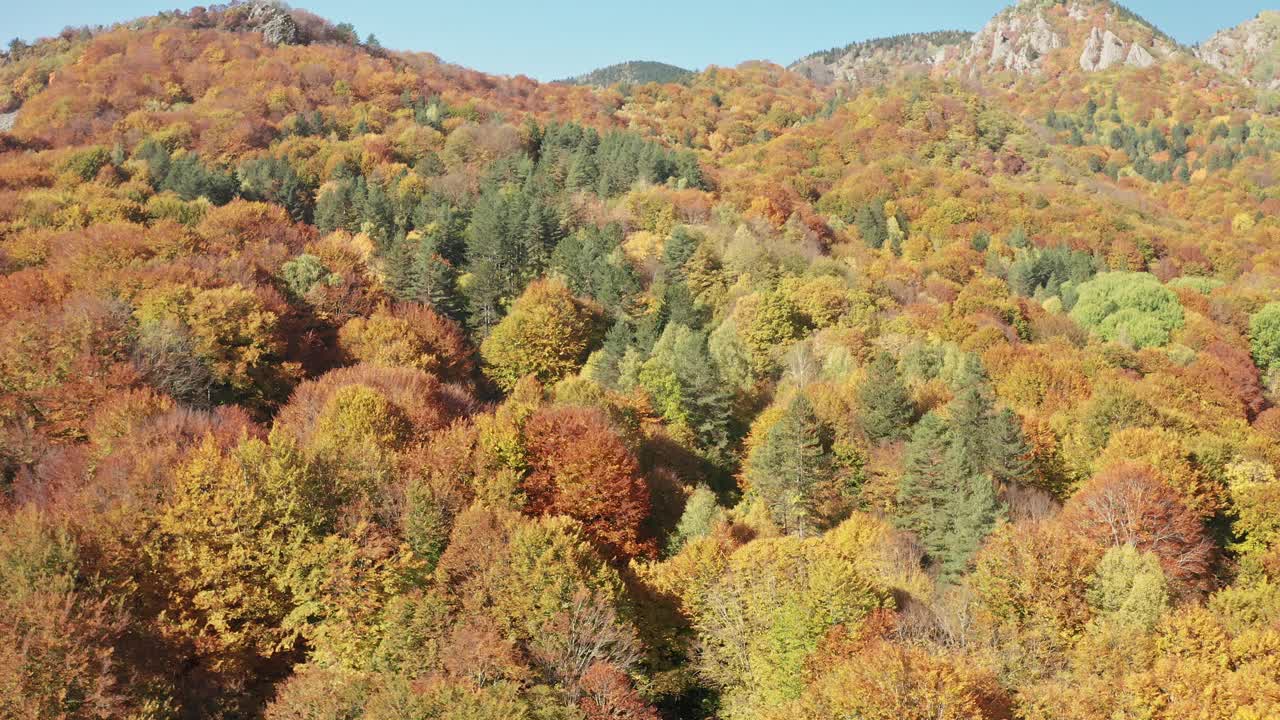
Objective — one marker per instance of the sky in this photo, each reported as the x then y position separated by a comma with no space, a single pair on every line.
554,39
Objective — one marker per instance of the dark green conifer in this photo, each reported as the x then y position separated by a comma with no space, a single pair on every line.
885,404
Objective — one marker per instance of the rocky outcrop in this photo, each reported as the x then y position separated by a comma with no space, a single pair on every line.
1104,50
7,120
877,62
1139,57
1013,41
1037,36
1250,51
275,23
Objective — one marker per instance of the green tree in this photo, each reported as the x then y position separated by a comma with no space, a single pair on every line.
272,179
788,464
762,620
592,264
1132,308
303,273
886,406
190,179
1008,453
701,513
687,388
1264,337
433,279
948,495
922,477
1129,587
509,243
547,334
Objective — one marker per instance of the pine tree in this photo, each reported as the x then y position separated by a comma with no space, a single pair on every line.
1008,454
921,482
676,252
706,396
787,466
969,516
397,260
490,261
885,403
968,421
948,495
604,366
871,224
680,306
434,280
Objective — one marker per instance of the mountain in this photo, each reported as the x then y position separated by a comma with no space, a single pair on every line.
1055,36
635,72
1030,38
876,62
339,381
1250,51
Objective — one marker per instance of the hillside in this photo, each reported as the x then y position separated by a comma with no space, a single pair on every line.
879,61
936,378
1250,51
637,72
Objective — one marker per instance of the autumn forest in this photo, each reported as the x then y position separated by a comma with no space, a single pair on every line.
932,378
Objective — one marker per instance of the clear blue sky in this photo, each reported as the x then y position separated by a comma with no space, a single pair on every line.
551,39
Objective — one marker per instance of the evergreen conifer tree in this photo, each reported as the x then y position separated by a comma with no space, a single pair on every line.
434,280
885,403
1008,454
786,467
948,496
921,482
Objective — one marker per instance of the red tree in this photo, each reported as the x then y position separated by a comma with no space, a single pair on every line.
1127,504
582,469
608,695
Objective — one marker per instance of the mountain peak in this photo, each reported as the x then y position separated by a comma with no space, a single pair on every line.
634,72
1038,36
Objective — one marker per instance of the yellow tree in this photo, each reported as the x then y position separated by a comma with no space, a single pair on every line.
547,334
223,546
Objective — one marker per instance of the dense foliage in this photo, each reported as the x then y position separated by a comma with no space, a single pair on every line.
338,382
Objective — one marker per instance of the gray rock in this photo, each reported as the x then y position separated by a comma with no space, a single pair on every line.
7,120
879,61
1112,51
275,23
1092,51
1013,41
1139,57
1105,49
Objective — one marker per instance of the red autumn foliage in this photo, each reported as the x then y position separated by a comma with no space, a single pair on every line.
582,468
1128,504
608,694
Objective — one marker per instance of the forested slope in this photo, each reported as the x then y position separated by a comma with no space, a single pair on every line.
339,382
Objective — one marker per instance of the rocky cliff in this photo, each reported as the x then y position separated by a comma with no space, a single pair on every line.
1250,51
1038,36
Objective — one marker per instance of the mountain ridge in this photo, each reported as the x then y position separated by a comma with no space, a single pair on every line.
346,382
879,60
1249,51
631,72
